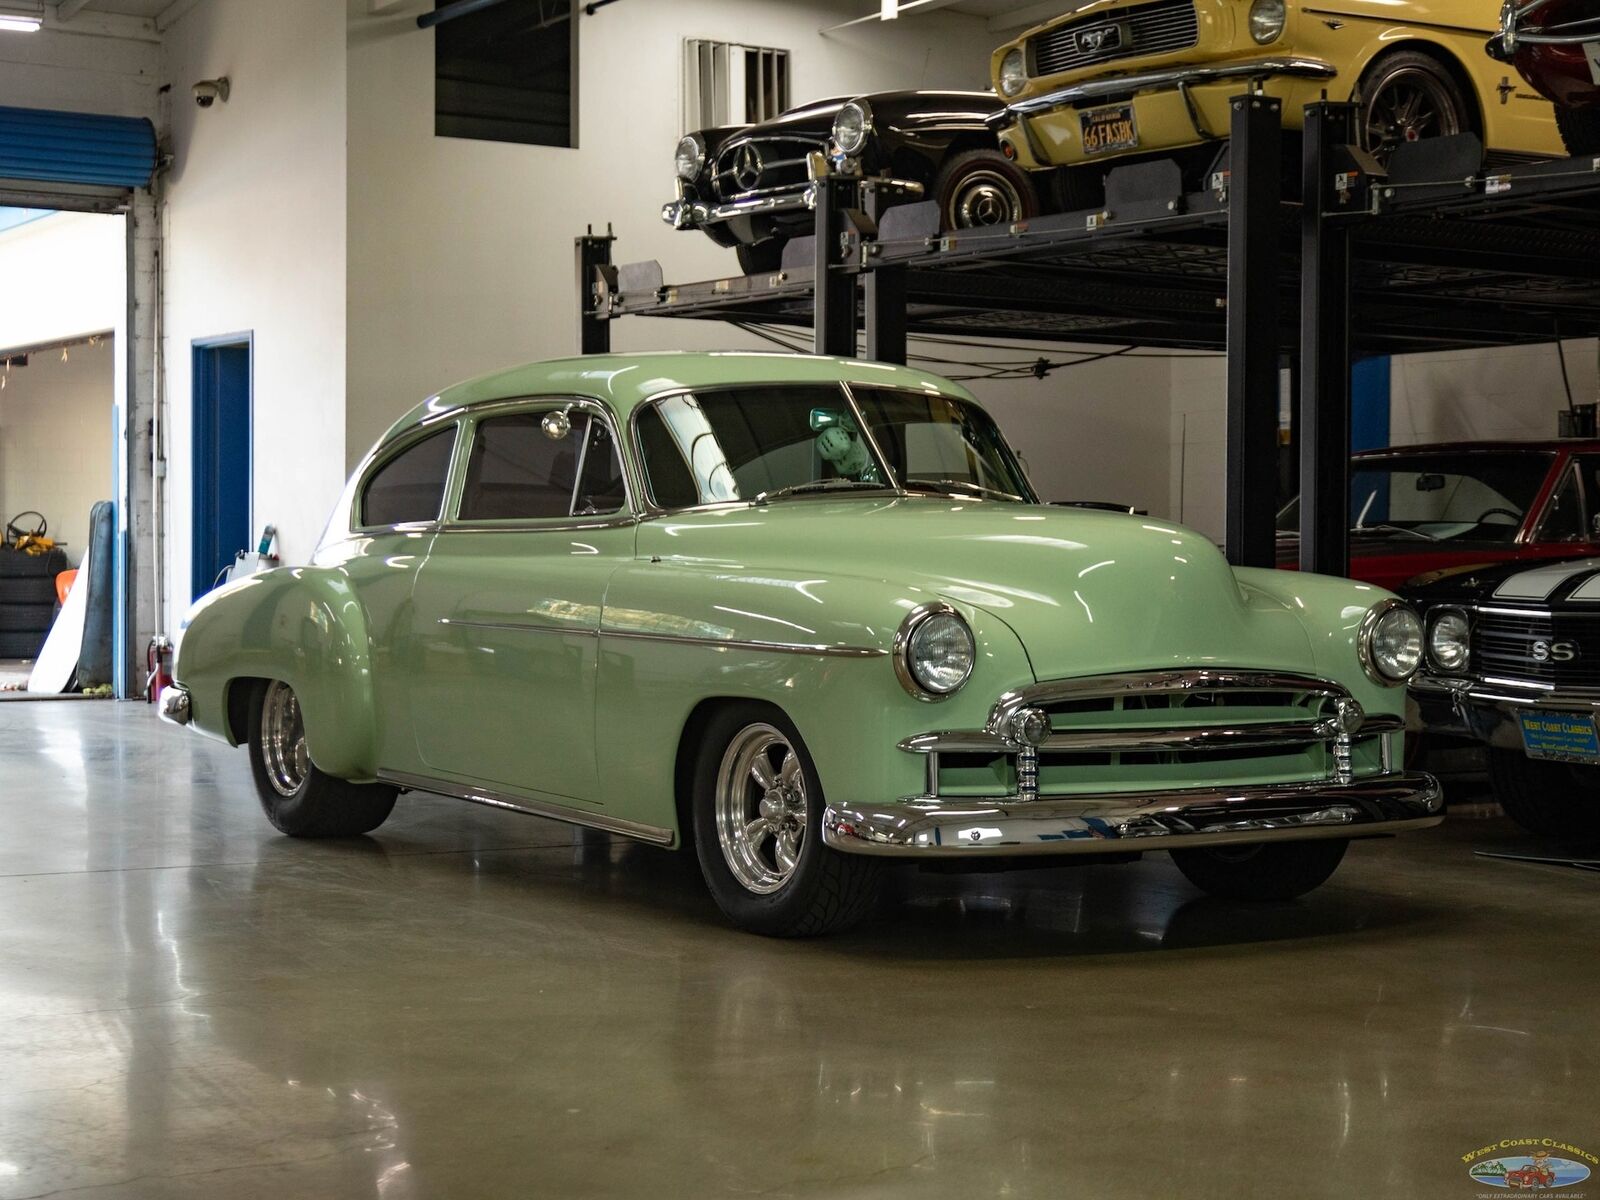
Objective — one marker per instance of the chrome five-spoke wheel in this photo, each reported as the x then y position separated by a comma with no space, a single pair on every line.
761,809
283,739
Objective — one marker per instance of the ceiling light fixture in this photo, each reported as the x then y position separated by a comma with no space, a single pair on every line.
21,18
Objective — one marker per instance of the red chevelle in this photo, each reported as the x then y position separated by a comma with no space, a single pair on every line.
1555,46
1419,509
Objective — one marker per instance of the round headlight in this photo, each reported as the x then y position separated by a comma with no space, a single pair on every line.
1267,18
851,126
934,652
1013,73
691,157
1449,638
1391,642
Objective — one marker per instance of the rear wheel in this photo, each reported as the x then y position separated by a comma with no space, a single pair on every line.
1580,129
298,798
980,188
1280,871
1558,800
1405,97
760,258
758,831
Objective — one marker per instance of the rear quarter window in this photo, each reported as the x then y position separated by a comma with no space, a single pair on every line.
410,486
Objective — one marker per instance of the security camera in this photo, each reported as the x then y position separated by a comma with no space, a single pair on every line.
208,91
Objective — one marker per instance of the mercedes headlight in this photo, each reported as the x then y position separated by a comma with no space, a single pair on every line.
1013,73
691,158
934,652
1449,640
852,125
1267,18
1390,642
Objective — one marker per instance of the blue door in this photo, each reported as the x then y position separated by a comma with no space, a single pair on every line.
221,458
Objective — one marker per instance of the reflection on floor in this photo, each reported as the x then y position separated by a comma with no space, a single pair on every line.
481,1005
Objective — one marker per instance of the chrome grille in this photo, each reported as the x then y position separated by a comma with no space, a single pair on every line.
1141,30
1504,646
779,165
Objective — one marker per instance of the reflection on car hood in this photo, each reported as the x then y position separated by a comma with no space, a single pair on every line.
1087,592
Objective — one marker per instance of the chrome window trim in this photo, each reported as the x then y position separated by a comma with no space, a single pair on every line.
385,454
1535,528
474,415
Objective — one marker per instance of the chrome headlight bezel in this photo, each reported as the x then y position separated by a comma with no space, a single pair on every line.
1395,673
920,623
1268,19
852,126
1013,74
690,157
1457,620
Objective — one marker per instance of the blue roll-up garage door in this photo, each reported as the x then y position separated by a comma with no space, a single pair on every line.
81,148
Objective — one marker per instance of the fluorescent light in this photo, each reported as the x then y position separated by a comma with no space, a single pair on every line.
19,24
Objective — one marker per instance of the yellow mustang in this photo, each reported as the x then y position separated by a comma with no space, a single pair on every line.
1112,78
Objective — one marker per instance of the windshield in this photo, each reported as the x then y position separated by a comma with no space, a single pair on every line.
1439,498
765,442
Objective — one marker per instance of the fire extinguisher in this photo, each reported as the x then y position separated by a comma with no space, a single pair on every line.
158,665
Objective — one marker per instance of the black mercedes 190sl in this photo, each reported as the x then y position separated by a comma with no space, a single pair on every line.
1513,661
750,187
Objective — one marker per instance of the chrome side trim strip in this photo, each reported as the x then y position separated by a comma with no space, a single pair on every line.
533,808
1144,81
818,650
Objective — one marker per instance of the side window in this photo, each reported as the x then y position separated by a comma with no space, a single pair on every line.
531,466
671,483
410,486
1564,520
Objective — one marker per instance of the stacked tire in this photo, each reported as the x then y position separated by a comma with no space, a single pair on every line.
27,600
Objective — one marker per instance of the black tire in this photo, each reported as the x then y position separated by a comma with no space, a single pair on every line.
824,891
24,590
319,805
978,189
760,258
27,618
1279,871
1580,128
1552,799
21,645
1442,109
15,564
1078,189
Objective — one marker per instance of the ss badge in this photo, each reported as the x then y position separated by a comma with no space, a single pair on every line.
1554,651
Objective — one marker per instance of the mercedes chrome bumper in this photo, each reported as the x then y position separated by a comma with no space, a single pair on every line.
693,214
1120,822
175,704
1168,79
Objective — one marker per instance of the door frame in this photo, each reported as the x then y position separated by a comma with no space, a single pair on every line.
199,377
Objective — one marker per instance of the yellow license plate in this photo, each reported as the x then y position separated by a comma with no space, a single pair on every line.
1109,128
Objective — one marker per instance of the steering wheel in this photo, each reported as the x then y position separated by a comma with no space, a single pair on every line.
15,532
1516,517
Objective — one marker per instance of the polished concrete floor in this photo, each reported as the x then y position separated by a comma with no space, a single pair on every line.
471,1004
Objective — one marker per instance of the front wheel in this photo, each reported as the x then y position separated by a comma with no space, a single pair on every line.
298,798
1280,871
980,188
1580,129
1552,799
758,831
1405,97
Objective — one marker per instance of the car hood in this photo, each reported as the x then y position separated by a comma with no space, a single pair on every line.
1086,592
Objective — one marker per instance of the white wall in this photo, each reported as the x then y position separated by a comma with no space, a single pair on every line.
56,439
83,68
254,233
63,276
461,252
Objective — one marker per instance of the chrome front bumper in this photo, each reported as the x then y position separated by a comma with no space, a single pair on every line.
1488,709
1168,79
1122,822
694,214
175,704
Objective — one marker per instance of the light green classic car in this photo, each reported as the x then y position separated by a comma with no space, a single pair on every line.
807,615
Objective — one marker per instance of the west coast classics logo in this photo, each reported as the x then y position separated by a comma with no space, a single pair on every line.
1531,1165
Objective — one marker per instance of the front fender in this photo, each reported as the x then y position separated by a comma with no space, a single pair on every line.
302,625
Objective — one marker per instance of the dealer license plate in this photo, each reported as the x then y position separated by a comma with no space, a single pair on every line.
1591,51
1565,737
1109,128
